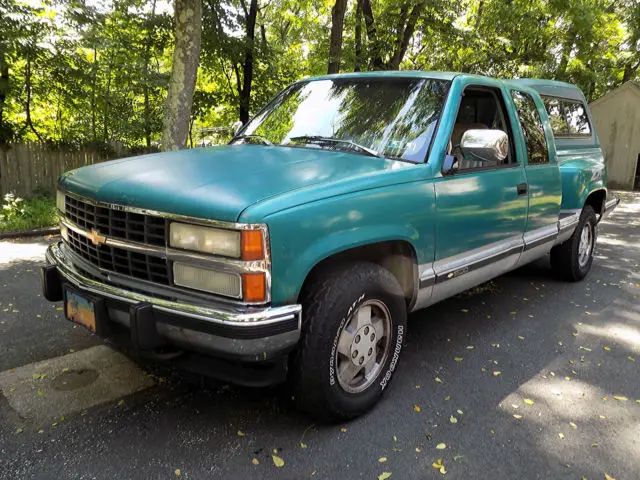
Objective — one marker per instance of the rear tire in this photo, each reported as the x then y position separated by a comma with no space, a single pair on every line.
353,326
572,259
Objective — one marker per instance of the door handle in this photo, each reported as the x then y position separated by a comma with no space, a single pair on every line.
522,188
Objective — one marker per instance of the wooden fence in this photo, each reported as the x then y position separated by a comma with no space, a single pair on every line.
27,168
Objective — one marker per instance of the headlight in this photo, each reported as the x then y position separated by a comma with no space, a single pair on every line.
205,239
190,276
60,200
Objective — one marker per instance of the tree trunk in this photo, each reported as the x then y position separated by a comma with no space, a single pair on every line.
337,26
629,70
105,125
4,86
145,76
247,77
358,34
405,32
93,94
186,57
375,52
27,105
564,58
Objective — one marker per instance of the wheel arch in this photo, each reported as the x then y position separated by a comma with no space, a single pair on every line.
596,198
397,256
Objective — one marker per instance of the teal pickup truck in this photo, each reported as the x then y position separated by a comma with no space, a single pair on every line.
297,251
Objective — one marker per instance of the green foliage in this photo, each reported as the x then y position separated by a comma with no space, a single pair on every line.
18,214
79,73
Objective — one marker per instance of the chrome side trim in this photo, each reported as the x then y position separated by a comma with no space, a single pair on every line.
444,278
427,279
540,236
452,267
567,224
214,314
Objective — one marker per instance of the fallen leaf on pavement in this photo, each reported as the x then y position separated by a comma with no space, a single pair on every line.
621,398
457,359
608,477
240,433
277,461
496,373
441,446
177,472
437,379
382,459
516,416
453,419
416,408
384,475
528,401
457,457
255,461
573,425
561,435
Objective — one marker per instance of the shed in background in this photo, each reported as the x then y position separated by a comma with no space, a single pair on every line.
617,120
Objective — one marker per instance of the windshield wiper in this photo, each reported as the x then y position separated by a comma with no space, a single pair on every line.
321,139
264,140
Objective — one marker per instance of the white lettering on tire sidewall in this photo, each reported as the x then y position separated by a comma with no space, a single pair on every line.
334,346
394,358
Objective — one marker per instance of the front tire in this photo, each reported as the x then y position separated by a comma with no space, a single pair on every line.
572,259
354,323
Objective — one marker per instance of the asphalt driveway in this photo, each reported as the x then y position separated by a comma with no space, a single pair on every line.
525,377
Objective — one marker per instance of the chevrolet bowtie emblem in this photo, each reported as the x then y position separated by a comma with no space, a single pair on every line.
96,238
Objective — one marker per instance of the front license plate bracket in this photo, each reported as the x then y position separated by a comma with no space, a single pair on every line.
87,311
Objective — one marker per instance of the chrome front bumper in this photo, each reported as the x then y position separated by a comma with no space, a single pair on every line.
251,334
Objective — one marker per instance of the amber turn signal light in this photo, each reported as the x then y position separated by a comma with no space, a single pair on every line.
252,245
253,287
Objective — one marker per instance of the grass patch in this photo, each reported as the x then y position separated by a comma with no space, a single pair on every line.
19,214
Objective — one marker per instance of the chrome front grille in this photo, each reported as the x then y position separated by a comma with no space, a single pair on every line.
121,225
135,227
119,260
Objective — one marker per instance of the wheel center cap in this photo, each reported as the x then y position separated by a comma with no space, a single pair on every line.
363,345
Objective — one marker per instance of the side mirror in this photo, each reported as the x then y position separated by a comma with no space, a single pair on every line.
486,146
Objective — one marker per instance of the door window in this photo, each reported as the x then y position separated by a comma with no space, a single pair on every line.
481,108
532,128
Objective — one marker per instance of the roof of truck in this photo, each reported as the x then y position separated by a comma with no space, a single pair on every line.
542,86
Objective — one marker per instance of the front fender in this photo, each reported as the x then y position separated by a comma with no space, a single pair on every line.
303,236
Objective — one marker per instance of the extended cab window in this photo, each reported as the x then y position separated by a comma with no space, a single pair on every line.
532,128
577,118
555,110
568,117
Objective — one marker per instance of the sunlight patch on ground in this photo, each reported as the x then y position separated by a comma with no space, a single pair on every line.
13,251
616,332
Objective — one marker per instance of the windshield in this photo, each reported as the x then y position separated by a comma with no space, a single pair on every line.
390,117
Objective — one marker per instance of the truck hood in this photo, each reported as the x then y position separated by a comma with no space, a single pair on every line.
217,182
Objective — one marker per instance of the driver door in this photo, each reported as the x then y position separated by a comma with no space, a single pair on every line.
481,206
